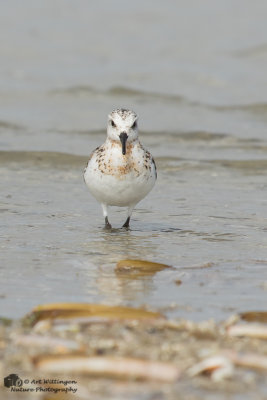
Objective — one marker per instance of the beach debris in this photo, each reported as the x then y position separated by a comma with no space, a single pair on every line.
204,329
254,316
56,345
222,365
139,268
233,319
248,360
112,367
206,265
69,311
217,367
146,353
251,329
42,326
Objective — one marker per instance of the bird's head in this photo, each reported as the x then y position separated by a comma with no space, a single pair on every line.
122,127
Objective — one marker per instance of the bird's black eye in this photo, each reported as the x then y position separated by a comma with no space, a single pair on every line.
134,125
113,124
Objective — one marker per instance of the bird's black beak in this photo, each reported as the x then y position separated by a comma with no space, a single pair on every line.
123,138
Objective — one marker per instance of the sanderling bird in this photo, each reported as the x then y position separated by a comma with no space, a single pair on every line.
121,172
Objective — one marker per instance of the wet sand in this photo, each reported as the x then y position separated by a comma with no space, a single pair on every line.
53,228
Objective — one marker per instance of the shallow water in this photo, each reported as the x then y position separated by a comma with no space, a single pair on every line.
202,103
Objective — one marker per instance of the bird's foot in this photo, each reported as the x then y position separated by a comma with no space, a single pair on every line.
127,223
107,224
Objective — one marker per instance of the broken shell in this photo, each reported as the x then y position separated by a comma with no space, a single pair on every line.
252,330
249,360
140,267
113,367
84,310
218,367
254,316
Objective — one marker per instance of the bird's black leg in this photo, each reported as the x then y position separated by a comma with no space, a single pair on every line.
129,213
105,213
107,224
127,223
